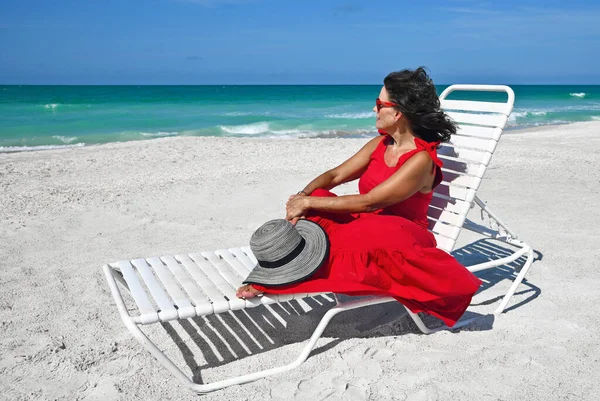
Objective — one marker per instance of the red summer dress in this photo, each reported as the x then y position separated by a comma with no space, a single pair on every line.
389,251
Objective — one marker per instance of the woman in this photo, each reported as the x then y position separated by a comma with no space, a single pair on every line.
379,242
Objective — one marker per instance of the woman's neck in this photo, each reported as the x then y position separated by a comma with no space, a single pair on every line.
402,138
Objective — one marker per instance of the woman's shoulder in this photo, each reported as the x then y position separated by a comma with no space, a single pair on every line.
375,142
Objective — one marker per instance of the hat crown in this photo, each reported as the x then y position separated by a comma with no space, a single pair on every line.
274,240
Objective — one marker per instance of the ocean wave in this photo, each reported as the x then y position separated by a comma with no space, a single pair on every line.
246,129
524,114
70,106
247,113
308,134
580,95
531,124
158,134
65,139
352,116
12,149
517,114
595,118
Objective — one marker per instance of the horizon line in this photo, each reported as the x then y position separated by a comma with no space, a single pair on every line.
304,84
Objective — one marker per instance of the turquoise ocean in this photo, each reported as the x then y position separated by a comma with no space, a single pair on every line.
46,117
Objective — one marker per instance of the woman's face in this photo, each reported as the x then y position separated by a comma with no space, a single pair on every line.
387,116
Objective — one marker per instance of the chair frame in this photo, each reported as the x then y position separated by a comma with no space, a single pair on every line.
121,273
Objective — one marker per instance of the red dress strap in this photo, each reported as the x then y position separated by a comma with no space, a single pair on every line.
431,148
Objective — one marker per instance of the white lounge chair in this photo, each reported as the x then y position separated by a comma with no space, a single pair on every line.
204,283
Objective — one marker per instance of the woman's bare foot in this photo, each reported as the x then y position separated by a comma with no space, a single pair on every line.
247,291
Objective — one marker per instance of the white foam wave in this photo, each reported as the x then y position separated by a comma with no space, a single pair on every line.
596,118
352,116
517,114
523,114
247,113
536,124
306,134
247,129
580,95
12,149
65,139
158,134
52,106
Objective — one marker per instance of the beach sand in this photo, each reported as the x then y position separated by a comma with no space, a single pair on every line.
65,213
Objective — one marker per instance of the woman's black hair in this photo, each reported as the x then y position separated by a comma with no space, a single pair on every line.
414,93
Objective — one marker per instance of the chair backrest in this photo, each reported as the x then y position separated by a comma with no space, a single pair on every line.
465,158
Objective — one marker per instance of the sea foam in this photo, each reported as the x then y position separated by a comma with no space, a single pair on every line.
65,139
247,129
11,149
158,134
352,116
580,95
523,114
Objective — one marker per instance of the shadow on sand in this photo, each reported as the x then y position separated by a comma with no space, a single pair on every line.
232,336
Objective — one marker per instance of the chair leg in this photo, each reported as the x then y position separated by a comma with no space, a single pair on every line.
517,281
510,238
208,387
426,330
204,388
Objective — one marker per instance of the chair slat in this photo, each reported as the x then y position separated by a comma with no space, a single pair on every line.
229,278
248,252
232,260
244,258
184,307
217,298
218,271
165,304
456,192
446,216
277,298
444,243
148,313
451,204
461,167
486,145
463,155
200,301
462,180
444,229
468,105
487,120
479,132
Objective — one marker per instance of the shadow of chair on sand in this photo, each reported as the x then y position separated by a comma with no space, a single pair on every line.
485,250
233,336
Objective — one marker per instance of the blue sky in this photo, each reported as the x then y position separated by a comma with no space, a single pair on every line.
297,42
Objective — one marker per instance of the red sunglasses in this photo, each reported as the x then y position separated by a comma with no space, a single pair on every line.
379,104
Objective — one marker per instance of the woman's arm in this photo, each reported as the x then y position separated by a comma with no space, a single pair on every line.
404,183
349,170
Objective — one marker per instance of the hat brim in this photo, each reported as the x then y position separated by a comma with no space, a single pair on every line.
312,257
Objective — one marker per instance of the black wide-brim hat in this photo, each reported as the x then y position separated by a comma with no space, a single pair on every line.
286,253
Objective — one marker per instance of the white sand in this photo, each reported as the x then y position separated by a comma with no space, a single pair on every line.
64,213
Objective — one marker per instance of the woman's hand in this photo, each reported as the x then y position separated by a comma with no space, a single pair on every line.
296,208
